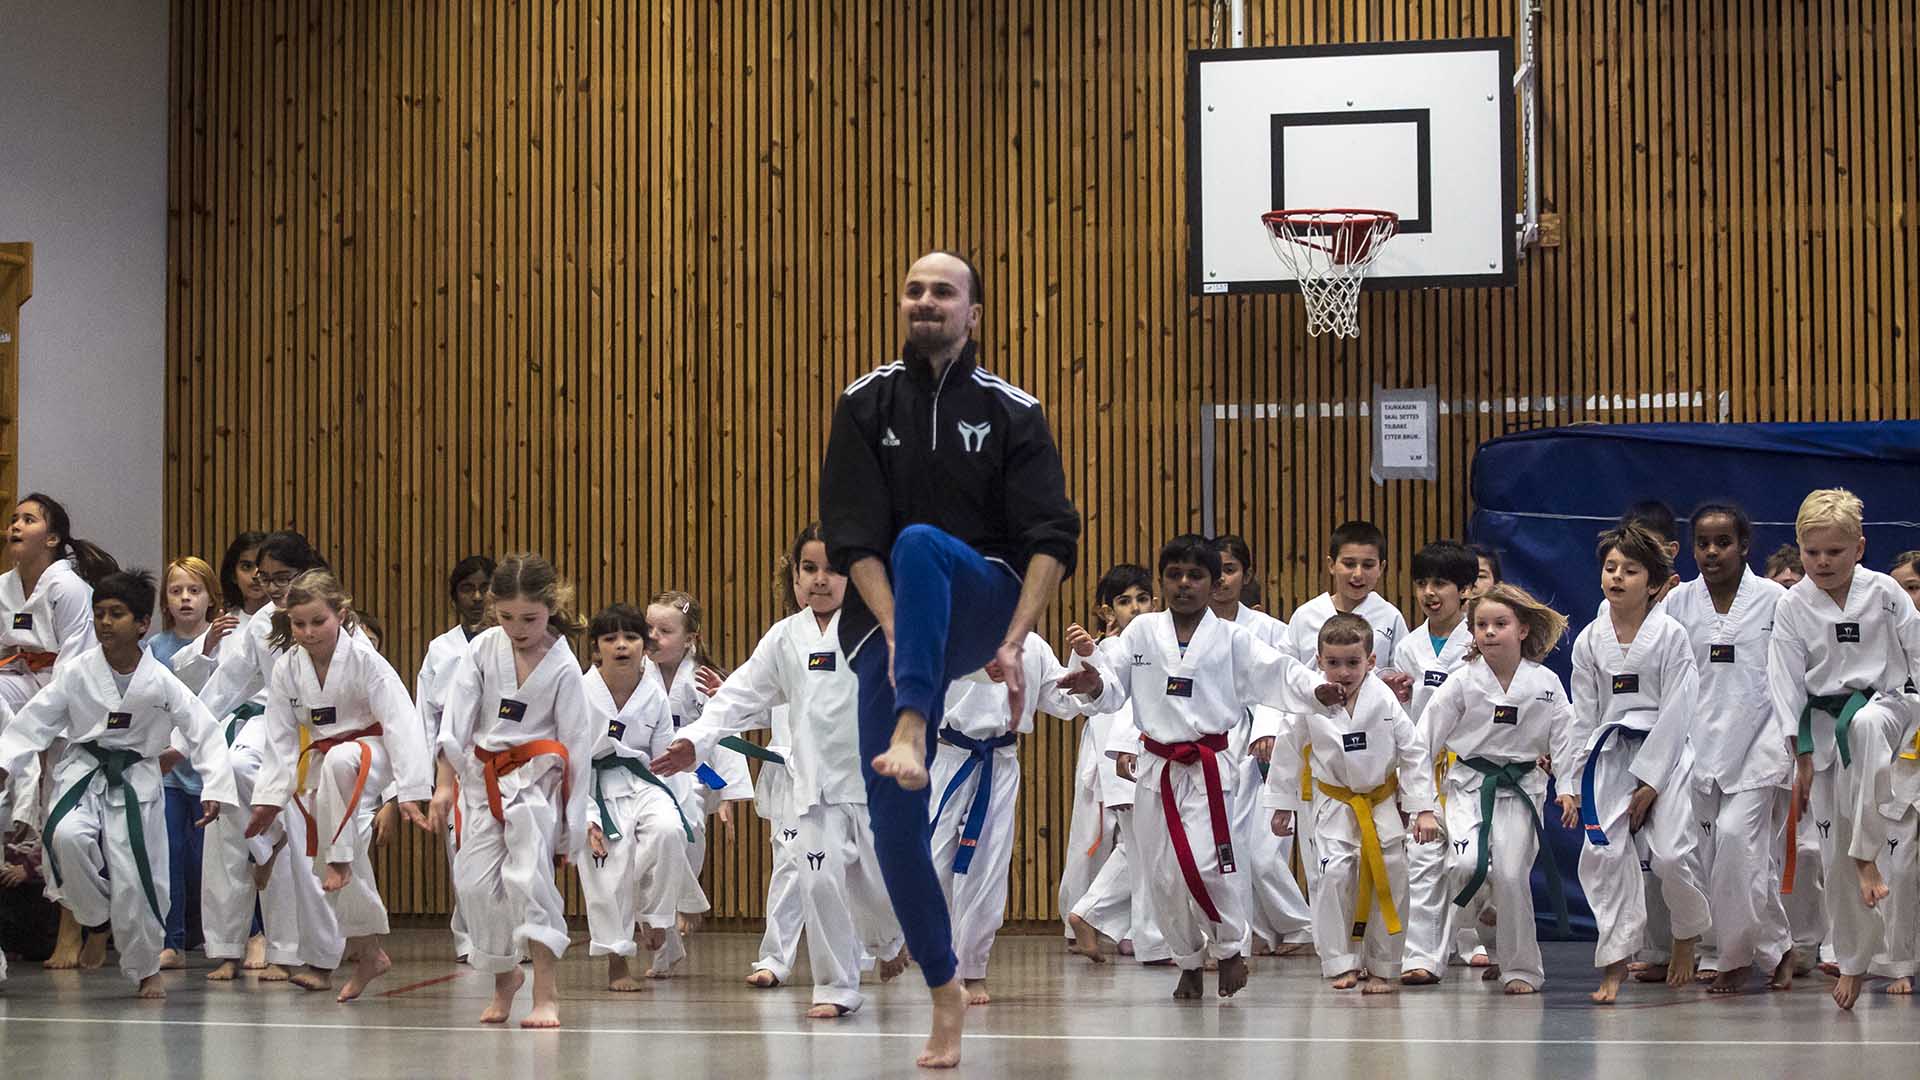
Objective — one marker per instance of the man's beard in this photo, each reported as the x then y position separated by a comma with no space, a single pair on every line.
932,336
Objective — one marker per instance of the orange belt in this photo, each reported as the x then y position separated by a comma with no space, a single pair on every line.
29,659
499,763
1793,843
321,746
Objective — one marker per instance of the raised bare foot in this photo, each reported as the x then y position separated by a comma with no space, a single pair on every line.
1902,986
505,985
620,979
949,1020
1347,980
1784,971
1847,991
151,988
977,992
1377,985
762,979
890,970
1515,986
171,960
1190,987
312,978
224,971
1233,975
827,1010
256,957
274,973
1086,940
1418,977
338,876
688,922
1873,888
1730,982
93,949
1685,962
1610,980
905,762
372,963
66,949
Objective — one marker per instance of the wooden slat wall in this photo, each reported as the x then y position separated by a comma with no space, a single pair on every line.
586,279
16,288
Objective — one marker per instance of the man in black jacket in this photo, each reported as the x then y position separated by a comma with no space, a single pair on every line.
943,498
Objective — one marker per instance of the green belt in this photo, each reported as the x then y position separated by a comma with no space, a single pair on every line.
239,717
1841,707
1494,776
114,765
735,742
638,768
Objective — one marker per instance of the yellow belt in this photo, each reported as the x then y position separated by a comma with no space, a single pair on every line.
1374,882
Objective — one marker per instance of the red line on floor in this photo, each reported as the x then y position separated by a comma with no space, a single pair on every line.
410,987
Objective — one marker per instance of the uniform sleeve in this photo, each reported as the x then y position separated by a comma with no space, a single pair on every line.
856,511
573,721
1443,712
40,721
1263,675
1417,793
403,733
234,677
460,686
1281,790
192,666
1116,681
1787,668
1044,672
206,745
1906,627
1659,757
1397,635
744,703
1036,492
426,698
1585,712
273,785
72,621
1403,656
1560,742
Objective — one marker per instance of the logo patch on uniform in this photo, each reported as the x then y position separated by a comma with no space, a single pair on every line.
815,859
789,835
510,709
676,721
119,721
973,437
1506,714
1460,846
23,620
889,439
616,730
1847,633
1823,826
1178,687
1353,740
1719,654
320,715
1626,684
1435,677
822,661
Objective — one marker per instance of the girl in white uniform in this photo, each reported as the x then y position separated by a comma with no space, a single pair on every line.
1635,693
1845,642
798,663
303,944
1899,861
1189,675
1741,756
467,589
115,710
1501,713
516,735
1367,767
637,872
1443,574
366,736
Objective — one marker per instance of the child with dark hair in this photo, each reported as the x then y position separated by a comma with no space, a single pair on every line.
45,598
467,593
1784,567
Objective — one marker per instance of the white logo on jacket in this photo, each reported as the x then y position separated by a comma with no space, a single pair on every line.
889,439
973,437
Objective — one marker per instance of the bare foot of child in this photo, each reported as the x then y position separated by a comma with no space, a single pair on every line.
224,971
1347,980
1847,991
1125,947
1491,974
977,992
274,973
1515,986
761,979
546,1004
1650,973
620,980
171,960
151,988
93,949
827,1010
372,963
1377,985
1086,940
652,937
1873,888
1418,977
505,986
1685,962
1290,948
688,923
1730,982
890,970
256,957
1901,986
1233,975
1610,980
1189,987
949,1020
312,978
1479,959
1784,971
66,949
338,876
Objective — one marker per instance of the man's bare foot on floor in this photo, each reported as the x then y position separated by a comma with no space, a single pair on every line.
949,1020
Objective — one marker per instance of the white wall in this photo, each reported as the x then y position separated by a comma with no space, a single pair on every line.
83,160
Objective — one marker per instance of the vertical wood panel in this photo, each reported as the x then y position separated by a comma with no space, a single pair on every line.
586,277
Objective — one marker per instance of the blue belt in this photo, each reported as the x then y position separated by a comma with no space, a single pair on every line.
979,753
1589,806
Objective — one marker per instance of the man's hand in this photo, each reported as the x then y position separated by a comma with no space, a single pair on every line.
1427,829
676,758
1282,823
261,820
1015,676
1400,683
1079,642
1569,810
1639,805
1262,749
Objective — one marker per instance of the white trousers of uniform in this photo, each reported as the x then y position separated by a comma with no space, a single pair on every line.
977,899
674,949
345,831
1899,864
505,875
295,916
1741,852
786,908
1667,844
1335,912
1512,845
99,880
1807,904
25,802
457,923
1090,840
847,915
1149,944
1190,935
1278,912
644,878
1429,910
1845,807
1107,902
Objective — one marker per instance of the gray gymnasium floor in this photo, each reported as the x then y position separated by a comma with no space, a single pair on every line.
1054,1016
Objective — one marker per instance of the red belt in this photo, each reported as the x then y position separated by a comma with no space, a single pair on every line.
31,660
499,763
321,746
1203,752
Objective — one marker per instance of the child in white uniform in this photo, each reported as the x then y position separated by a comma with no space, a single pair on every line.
1502,713
1899,860
467,589
516,734
1845,642
1367,767
117,710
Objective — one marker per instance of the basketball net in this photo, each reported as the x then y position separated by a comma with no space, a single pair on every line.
1329,253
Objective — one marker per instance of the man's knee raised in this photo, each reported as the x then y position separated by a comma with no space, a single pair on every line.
918,541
